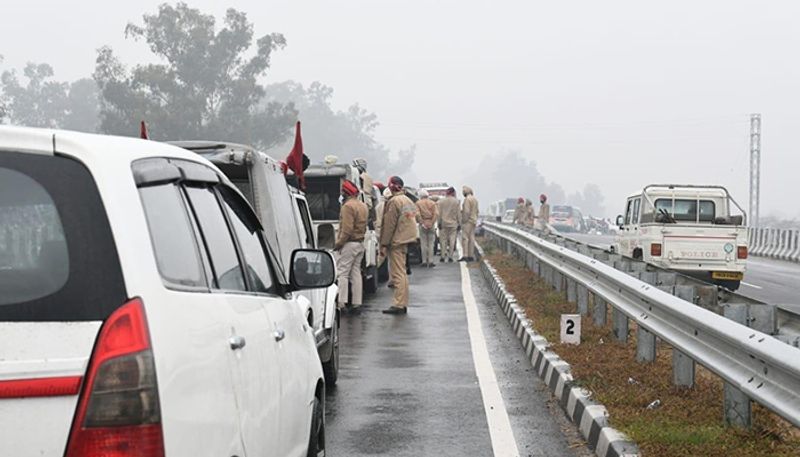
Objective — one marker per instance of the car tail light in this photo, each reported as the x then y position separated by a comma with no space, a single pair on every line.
118,412
741,252
655,250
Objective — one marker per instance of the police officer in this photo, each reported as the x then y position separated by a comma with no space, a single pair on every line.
543,221
519,211
449,220
398,230
349,246
469,219
427,215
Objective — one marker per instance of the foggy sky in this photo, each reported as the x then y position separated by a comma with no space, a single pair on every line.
621,93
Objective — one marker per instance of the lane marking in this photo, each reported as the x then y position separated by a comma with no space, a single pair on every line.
751,285
502,436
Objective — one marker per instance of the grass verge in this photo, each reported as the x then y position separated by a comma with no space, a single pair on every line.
688,422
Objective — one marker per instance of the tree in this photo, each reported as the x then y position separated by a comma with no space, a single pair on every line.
205,86
347,134
40,101
510,175
3,106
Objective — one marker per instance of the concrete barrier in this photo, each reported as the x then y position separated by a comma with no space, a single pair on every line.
779,244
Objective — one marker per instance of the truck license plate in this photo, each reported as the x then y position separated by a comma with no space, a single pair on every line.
728,275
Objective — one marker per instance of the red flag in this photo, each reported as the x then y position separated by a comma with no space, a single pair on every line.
143,131
294,161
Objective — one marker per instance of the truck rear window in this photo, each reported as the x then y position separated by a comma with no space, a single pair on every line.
58,261
685,210
322,195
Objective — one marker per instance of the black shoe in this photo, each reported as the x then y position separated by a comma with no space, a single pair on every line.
355,310
441,259
464,259
450,260
431,265
408,271
391,286
395,310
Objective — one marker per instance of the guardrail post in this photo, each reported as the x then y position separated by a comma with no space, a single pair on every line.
682,369
583,300
572,290
558,281
637,267
738,407
645,345
666,278
620,322
600,311
649,277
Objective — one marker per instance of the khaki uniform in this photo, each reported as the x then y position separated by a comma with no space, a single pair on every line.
449,220
530,215
469,219
427,215
520,213
398,230
350,250
543,220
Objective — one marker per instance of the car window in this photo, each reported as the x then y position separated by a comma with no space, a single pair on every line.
34,260
58,261
629,212
173,239
217,239
636,204
308,228
249,235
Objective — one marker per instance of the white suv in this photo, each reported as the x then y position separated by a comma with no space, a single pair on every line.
288,226
141,311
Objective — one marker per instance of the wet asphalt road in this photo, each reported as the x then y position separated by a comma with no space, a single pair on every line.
408,386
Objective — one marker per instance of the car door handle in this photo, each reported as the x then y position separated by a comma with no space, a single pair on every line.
279,334
237,342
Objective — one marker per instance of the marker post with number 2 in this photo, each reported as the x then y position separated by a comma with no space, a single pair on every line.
571,328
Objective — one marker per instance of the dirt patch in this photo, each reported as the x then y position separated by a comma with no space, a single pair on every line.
686,422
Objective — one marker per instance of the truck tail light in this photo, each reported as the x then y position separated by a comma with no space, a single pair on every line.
655,250
741,252
118,412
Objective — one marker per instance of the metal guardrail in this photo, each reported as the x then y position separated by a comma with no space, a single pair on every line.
761,367
778,320
781,244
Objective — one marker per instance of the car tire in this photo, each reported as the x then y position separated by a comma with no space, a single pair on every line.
371,280
331,368
316,440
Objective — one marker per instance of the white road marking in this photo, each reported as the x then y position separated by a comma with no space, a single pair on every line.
503,442
751,285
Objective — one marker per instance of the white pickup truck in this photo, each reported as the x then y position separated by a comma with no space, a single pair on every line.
687,228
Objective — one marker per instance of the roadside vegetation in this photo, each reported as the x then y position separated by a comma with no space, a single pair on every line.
686,422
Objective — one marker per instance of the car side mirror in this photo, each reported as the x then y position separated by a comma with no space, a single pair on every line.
311,269
620,221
